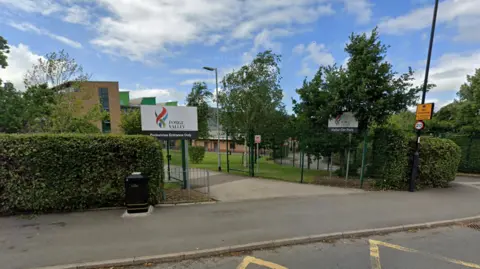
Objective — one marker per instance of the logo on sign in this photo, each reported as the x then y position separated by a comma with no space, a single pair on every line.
161,118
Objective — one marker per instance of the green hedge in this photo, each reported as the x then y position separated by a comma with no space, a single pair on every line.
470,146
390,162
392,156
439,160
45,172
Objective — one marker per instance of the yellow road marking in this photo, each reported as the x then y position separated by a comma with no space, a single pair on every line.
375,255
249,259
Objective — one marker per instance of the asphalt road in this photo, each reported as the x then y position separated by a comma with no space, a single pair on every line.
442,248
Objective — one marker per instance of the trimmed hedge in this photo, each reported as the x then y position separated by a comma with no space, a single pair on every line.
390,160
196,154
392,157
439,160
46,172
470,146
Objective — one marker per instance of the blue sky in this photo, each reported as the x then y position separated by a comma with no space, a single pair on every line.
158,47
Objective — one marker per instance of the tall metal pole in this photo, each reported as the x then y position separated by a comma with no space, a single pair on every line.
416,155
218,125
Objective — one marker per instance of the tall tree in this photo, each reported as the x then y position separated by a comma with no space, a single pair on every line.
54,70
252,94
199,97
11,109
373,91
4,50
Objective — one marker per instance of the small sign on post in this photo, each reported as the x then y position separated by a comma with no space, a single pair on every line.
343,123
424,111
419,125
258,139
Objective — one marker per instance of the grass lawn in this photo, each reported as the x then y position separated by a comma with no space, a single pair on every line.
268,169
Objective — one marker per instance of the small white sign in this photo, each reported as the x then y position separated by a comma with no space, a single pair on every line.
258,139
174,122
343,123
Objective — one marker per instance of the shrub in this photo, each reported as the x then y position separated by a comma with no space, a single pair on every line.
196,154
390,149
45,172
439,160
470,146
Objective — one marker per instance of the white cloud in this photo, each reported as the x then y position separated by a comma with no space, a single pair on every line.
460,13
27,27
315,54
361,8
44,7
140,30
189,71
20,60
77,14
189,82
162,95
450,70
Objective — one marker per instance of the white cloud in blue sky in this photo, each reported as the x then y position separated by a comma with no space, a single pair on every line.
163,45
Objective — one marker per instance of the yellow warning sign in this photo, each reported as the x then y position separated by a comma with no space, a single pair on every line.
424,111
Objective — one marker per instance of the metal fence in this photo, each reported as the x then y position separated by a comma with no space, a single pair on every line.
196,187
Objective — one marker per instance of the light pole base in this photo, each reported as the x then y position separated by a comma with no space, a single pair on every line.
219,169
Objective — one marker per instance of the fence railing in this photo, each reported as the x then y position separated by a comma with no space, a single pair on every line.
189,185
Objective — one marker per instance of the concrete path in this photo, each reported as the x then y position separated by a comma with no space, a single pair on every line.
255,188
101,235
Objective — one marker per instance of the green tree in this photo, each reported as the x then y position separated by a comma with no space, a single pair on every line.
199,97
54,70
4,50
251,96
373,91
11,109
131,122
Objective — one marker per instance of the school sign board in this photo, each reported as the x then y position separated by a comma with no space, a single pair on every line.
169,122
343,123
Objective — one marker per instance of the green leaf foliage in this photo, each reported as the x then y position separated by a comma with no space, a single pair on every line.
199,97
470,147
131,122
46,172
4,50
390,158
196,154
439,160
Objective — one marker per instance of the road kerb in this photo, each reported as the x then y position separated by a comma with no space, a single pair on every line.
175,257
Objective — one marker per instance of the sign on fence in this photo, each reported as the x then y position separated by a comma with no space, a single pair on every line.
169,122
343,123
258,139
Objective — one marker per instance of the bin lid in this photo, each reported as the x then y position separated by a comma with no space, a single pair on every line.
136,175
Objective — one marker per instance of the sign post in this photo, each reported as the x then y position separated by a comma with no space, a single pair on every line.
344,123
171,123
258,140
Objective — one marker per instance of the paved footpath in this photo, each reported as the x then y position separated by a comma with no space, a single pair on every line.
443,248
102,235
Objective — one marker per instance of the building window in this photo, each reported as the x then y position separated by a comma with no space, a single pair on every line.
106,128
103,95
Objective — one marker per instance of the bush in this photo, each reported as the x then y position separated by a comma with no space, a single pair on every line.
390,162
470,146
45,172
439,160
196,154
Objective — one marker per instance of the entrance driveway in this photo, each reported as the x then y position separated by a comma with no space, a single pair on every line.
224,187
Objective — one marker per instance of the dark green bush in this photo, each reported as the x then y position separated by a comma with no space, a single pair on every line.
439,159
470,146
196,154
45,172
390,161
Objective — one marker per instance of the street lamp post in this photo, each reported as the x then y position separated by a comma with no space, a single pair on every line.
218,125
416,155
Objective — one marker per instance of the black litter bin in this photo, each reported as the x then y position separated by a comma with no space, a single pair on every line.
136,193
